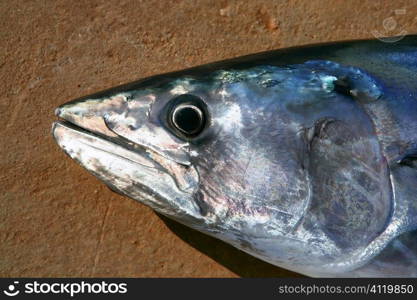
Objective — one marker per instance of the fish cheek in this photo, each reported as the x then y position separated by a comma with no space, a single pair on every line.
351,198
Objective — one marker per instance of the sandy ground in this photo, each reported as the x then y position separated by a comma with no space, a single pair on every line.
55,218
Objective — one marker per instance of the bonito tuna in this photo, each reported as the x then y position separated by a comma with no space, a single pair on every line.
303,157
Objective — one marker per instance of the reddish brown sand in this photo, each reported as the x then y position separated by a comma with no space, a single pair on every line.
58,220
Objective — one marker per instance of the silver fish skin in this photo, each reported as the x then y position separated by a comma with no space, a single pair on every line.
303,157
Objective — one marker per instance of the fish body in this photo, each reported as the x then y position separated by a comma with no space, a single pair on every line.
303,157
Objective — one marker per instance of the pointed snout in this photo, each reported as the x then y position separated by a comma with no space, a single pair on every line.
89,114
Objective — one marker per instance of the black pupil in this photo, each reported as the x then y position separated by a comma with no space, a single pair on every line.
188,119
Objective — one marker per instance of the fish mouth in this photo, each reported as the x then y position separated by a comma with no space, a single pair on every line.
123,167
128,168
74,139
78,133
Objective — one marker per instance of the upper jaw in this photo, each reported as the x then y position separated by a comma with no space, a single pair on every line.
79,144
81,128
89,114
117,117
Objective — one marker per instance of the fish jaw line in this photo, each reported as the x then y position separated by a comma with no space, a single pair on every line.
70,136
132,171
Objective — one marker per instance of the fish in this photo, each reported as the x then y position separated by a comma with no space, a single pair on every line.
304,157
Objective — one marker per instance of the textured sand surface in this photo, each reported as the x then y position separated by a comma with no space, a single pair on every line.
55,218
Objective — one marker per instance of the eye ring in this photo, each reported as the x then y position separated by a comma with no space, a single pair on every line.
188,119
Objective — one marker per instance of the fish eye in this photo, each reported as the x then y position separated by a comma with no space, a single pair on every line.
188,115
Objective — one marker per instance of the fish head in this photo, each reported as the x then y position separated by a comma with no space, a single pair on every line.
215,170
262,158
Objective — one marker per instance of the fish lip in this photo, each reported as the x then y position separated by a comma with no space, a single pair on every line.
68,124
134,149
75,127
